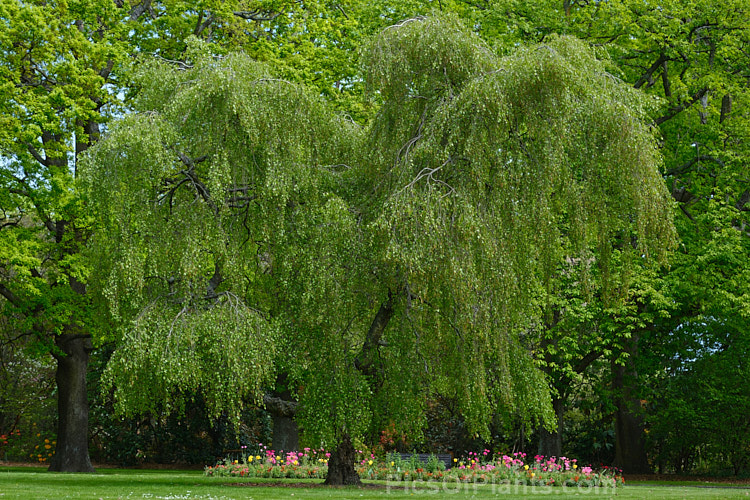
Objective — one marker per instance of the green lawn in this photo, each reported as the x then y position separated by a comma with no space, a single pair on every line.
35,483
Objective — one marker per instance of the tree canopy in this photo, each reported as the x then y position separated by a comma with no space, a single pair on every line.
410,196
245,228
65,71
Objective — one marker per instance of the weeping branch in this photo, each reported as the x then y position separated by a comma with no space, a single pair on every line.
240,197
428,174
189,176
180,65
403,153
365,361
214,282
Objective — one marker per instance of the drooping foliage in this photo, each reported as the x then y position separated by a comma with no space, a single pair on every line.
64,72
375,267
194,198
492,171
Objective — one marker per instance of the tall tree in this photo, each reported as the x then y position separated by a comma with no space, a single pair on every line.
692,56
381,265
64,73
56,60
689,54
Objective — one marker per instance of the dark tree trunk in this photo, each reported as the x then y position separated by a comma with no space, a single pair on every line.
285,433
283,408
341,471
72,452
630,452
550,443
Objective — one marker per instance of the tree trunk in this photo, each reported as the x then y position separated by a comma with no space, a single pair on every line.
72,451
285,433
630,453
341,471
550,443
283,408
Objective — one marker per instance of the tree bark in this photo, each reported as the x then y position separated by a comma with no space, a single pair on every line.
283,408
367,361
72,452
341,471
630,453
550,443
285,433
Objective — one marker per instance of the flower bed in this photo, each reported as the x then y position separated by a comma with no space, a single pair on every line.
476,467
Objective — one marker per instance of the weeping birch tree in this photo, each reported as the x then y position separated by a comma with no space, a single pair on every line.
245,230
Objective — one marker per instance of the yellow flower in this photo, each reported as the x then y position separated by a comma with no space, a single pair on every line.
250,458
235,461
46,440
455,460
393,463
257,457
369,462
532,474
472,460
525,467
47,447
575,466
278,457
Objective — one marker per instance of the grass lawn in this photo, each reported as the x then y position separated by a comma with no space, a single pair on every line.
36,483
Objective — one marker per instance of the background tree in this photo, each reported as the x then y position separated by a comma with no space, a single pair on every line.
386,266
56,60
690,55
